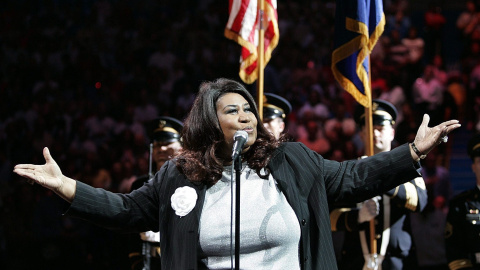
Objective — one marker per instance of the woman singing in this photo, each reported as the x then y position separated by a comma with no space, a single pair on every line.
285,189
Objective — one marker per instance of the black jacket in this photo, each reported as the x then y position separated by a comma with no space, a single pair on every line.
308,181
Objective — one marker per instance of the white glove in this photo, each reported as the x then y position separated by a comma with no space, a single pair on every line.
150,236
369,210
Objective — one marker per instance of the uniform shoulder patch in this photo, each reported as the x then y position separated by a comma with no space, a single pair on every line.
463,196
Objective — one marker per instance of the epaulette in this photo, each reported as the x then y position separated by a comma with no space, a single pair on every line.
464,195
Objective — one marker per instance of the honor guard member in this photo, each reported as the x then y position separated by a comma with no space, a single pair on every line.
388,211
165,133
275,111
462,231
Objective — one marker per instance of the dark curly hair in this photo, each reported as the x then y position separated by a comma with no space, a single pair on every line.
201,159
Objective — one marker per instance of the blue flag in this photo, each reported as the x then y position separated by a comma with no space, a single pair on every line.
358,25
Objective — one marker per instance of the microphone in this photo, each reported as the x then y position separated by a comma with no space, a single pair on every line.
239,138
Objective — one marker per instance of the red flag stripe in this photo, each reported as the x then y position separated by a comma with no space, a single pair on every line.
242,27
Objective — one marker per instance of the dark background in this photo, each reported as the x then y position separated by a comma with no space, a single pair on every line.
78,77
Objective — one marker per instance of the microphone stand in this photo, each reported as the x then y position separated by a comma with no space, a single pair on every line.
150,161
146,247
238,171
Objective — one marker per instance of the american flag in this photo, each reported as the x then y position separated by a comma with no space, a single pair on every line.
243,27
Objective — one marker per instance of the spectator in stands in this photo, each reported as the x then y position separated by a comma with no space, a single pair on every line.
428,94
434,23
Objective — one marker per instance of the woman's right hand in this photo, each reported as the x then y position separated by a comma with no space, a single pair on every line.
48,175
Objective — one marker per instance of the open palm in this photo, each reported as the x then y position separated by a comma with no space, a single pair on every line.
48,175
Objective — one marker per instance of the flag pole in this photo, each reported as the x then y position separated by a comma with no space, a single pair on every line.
369,152
261,57
369,149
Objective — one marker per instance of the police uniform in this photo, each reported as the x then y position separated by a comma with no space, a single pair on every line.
275,106
462,231
146,253
389,224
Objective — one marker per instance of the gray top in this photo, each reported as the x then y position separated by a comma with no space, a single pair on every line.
270,232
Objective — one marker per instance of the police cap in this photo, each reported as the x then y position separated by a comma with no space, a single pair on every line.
275,106
474,146
165,129
382,112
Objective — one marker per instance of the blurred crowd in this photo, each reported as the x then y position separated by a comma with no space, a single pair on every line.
85,77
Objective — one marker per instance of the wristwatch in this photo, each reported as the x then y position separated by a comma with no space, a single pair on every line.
415,149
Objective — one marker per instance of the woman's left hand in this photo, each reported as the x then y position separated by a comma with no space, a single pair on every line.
427,138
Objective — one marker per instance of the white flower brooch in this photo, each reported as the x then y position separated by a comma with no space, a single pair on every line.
183,200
